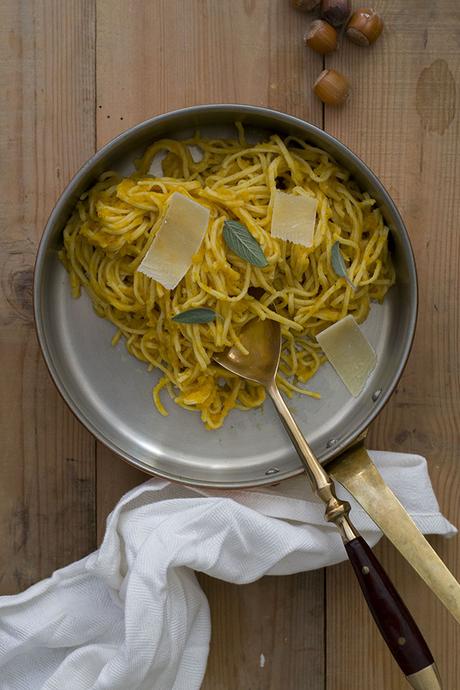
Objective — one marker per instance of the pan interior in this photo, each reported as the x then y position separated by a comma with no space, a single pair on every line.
111,391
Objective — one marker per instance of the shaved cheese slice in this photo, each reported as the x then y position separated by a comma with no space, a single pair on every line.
294,218
178,239
349,352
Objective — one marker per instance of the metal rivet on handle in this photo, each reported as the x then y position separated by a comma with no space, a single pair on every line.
331,442
272,470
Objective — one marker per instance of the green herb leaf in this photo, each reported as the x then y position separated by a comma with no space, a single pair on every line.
338,264
198,315
243,244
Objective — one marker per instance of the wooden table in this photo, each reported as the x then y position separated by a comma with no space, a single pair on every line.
74,73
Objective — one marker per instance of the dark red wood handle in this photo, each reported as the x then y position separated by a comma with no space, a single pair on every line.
397,626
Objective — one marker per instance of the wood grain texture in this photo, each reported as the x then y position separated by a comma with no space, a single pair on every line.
402,120
47,482
166,55
268,635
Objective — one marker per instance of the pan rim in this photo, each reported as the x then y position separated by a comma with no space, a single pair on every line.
128,134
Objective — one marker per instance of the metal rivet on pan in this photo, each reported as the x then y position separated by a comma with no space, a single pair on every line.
331,442
376,394
365,570
272,470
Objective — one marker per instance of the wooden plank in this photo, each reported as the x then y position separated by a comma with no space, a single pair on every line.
267,635
169,54
114,478
166,55
46,131
401,119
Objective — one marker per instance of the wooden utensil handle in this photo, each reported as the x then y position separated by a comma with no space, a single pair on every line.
394,621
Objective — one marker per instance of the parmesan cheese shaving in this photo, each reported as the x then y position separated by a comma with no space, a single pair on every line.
349,352
178,239
294,218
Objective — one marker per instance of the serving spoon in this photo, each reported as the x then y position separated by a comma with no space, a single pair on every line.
262,340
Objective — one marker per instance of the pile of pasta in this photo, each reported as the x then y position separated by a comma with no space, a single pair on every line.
114,224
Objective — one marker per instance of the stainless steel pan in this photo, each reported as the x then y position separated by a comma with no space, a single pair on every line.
110,392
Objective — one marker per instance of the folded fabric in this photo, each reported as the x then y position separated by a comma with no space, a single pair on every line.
131,616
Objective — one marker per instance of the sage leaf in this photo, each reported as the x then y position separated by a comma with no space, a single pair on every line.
197,315
243,244
338,264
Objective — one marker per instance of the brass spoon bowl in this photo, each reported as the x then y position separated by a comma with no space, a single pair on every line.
262,340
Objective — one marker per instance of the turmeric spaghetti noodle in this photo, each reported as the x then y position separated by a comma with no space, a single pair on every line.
114,224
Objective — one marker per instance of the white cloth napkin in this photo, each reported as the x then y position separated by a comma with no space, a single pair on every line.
131,616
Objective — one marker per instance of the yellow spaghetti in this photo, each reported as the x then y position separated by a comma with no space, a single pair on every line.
114,224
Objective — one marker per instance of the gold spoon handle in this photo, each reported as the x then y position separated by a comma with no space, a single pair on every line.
323,485
396,625
318,476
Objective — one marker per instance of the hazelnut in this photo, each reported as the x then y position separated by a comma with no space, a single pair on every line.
305,5
364,27
321,37
331,87
336,12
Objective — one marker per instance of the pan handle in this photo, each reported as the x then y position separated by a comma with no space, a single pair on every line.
355,470
396,624
398,628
